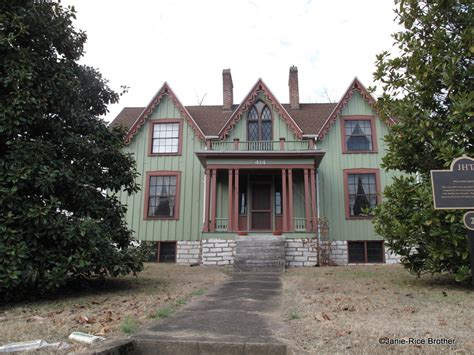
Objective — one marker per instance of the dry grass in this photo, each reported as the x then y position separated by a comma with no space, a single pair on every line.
111,307
348,309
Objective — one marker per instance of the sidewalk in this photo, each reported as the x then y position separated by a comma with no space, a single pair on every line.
238,318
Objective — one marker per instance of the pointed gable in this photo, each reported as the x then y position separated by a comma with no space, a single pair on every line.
249,100
356,86
164,91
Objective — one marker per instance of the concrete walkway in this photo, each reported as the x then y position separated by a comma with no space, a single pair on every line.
240,317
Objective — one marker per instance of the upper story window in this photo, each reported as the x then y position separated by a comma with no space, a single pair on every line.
166,137
259,123
162,195
358,134
362,190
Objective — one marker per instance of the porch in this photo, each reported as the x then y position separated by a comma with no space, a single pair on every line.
260,187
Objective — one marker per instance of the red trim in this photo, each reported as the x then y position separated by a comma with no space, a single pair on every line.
249,101
356,85
206,203
290,200
346,172
150,136
372,128
177,197
313,198
307,201
230,197
165,90
214,200
282,143
284,200
236,200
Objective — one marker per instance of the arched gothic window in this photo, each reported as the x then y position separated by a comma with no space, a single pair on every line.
259,123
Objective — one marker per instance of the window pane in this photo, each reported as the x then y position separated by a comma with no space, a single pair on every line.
162,195
278,210
253,131
356,252
266,130
358,135
253,115
266,114
362,190
165,138
375,252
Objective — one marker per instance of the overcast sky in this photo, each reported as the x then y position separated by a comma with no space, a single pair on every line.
143,43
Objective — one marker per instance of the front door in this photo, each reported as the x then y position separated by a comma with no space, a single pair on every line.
261,206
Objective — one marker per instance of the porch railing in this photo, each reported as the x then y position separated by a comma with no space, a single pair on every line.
300,224
281,145
221,224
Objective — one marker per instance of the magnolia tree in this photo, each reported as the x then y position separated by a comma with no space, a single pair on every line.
57,158
428,88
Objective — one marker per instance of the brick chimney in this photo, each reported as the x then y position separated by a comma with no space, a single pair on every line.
228,89
294,92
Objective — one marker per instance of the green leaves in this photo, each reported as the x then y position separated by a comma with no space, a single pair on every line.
57,158
429,89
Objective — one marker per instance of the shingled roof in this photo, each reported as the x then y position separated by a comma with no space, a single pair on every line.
310,117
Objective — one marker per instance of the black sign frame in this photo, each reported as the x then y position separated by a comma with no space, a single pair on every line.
454,189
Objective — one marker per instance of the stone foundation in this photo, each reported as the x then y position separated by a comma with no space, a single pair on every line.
218,252
334,252
298,252
188,252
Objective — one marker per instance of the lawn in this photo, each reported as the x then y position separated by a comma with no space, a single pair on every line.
348,309
110,308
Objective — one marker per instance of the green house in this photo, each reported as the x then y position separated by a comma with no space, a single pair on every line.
309,172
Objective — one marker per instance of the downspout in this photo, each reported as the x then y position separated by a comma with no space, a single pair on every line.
317,234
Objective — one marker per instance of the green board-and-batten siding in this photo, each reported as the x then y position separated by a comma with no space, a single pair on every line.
189,224
330,175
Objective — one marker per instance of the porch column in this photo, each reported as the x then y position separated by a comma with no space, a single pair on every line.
230,193
206,203
307,200
283,200
290,201
214,201
236,200
313,199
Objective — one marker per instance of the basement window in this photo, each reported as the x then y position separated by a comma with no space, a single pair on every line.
366,251
167,252
163,252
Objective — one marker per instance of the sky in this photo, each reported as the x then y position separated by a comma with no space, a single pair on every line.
187,43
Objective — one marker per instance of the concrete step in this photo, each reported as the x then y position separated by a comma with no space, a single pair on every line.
262,253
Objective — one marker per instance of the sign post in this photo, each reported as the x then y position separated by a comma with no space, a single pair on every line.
454,189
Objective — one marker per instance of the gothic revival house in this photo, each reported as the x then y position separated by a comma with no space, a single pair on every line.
307,172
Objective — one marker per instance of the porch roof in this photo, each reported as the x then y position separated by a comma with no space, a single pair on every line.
261,159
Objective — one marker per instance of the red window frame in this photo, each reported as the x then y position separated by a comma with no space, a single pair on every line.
346,173
372,128
162,121
149,174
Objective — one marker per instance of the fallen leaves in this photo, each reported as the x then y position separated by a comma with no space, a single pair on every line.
326,316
